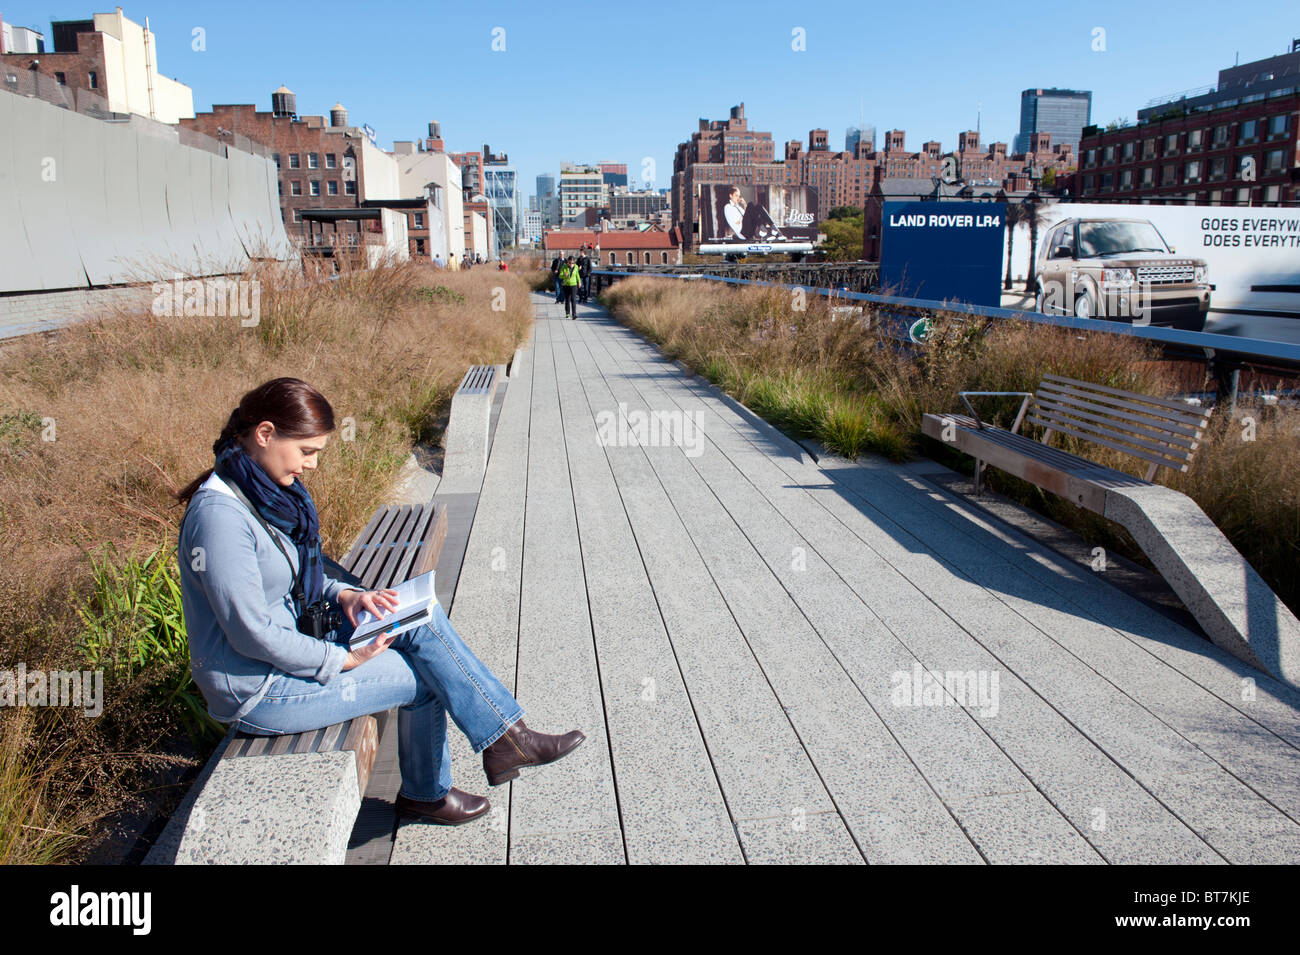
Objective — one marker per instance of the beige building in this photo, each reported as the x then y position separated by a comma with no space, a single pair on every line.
433,175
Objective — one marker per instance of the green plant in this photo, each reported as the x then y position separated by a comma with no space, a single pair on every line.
438,294
133,625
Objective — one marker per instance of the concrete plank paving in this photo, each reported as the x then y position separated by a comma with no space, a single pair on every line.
732,628
1156,841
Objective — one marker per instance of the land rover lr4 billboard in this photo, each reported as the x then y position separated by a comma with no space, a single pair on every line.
1224,269
753,220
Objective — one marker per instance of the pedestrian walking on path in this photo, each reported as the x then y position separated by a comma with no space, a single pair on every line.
570,278
257,603
556,263
584,270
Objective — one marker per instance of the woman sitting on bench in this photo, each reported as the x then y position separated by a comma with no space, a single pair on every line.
254,600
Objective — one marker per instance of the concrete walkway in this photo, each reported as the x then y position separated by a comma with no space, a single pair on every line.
749,638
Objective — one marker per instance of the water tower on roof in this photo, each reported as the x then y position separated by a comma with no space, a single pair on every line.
338,115
284,103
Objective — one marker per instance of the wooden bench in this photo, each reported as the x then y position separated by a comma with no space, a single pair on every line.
1161,432
1237,610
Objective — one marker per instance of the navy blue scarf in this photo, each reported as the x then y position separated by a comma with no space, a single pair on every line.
288,509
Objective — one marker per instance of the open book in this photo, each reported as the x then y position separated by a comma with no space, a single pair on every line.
415,603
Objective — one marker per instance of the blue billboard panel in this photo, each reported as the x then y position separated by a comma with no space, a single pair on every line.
946,251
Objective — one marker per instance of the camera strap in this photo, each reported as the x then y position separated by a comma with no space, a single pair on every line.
300,598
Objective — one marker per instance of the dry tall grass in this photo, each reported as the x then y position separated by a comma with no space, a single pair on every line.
100,422
836,379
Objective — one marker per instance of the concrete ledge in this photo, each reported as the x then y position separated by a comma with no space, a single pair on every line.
297,808
1231,602
466,439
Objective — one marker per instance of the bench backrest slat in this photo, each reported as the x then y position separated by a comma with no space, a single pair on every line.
1188,425
369,549
1161,431
1092,438
389,552
420,518
1073,413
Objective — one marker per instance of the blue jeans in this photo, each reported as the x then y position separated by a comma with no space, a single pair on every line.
427,672
559,290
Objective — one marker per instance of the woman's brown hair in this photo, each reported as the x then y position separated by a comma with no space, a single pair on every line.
295,408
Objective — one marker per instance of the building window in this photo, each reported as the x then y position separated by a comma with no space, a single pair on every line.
1126,179
1220,136
293,161
612,259
1216,197
1130,149
1169,175
419,220
1192,171
60,78
314,186
350,187
629,258
1171,143
276,157
1149,148
297,215
92,80
332,187
1243,195
1108,154
1277,126
295,188
1107,181
329,161
1091,157
663,258
313,160
280,186
1272,193
1219,168
1248,132
1273,160
647,258
1195,138
419,247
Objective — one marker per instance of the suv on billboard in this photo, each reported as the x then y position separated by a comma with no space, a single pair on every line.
1120,269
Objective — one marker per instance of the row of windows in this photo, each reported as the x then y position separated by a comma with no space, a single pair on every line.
1194,171
1270,193
313,161
313,186
1248,133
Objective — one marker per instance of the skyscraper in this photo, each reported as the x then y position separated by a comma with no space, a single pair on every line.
1063,113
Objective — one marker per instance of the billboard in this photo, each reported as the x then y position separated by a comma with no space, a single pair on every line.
756,219
1226,270
946,251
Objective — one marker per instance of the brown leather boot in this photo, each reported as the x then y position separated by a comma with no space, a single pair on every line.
520,746
453,809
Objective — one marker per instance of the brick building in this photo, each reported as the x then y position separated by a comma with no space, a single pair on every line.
617,246
471,173
320,166
1235,144
111,57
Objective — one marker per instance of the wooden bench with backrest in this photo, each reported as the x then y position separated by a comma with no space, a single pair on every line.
1235,607
1161,432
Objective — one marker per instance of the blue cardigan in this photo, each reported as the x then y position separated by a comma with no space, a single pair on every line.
238,610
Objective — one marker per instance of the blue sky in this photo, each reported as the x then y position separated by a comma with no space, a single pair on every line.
590,81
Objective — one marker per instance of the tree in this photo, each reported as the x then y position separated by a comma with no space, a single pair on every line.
1049,177
843,237
844,212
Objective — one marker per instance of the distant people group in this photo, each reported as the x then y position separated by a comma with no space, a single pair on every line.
572,278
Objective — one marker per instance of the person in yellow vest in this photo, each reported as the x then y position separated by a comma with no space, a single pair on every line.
570,279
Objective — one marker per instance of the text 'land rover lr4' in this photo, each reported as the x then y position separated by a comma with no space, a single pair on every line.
1120,269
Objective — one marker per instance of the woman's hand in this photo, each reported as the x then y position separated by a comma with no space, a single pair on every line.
375,647
378,602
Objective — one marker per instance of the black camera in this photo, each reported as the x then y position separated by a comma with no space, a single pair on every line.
319,620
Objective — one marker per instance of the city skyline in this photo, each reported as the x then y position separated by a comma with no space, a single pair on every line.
964,70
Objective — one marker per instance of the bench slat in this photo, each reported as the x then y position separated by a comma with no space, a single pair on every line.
370,549
422,516
1093,439
1170,403
352,557
1068,414
1151,418
385,570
